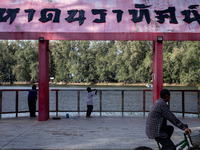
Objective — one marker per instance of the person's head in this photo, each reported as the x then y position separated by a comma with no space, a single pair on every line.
89,89
34,87
165,94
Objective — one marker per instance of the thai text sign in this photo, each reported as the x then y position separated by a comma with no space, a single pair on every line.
99,16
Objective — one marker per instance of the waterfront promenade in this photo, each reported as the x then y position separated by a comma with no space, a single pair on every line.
82,133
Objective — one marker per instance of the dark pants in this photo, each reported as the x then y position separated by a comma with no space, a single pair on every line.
89,110
166,143
32,108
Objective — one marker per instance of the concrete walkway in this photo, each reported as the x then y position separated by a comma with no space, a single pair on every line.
81,133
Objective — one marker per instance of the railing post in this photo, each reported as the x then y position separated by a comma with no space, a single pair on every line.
122,103
144,102
17,102
56,102
183,104
0,103
198,105
169,102
100,96
78,99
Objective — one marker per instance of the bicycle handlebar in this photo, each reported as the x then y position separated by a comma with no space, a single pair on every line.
186,133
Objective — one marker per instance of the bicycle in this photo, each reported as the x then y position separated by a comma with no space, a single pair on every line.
192,141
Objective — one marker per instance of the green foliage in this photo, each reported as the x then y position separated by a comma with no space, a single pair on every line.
26,58
101,61
7,60
61,58
181,62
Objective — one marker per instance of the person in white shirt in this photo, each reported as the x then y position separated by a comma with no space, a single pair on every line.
90,96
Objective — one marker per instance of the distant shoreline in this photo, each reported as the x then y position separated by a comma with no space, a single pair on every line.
97,84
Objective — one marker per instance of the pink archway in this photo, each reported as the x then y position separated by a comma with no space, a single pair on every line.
45,20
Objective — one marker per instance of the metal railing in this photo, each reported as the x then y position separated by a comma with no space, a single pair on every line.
100,102
101,110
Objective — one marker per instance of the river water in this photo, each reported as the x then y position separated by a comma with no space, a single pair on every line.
111,99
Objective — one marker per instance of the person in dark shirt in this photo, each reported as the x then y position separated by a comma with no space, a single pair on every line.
32,99
156,124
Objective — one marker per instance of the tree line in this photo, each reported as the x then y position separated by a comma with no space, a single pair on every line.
100,61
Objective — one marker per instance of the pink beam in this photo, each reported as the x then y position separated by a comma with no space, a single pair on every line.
157,69
43,80
121,36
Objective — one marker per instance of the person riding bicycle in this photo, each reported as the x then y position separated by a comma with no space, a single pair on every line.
156,124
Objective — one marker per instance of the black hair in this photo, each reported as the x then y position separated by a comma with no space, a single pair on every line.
88,88
164,93
34,87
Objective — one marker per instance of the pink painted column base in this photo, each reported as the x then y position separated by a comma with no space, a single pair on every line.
43,80
157,69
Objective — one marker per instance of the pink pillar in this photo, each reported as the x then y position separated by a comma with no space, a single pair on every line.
43,80
157,69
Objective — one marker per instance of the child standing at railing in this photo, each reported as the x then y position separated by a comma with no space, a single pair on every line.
90,96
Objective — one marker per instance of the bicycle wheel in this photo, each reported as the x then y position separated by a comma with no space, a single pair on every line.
143,148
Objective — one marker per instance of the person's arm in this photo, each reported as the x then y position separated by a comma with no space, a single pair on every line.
36,95
96,92
172,118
